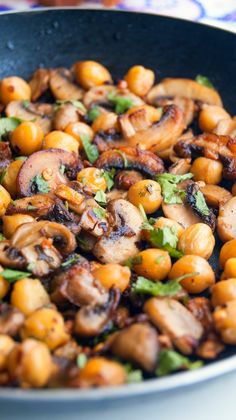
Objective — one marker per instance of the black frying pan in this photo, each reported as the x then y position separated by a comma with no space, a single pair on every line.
173,48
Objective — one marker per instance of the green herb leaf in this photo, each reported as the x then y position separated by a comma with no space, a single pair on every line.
8,125
2,175
165,238
133,375
70,261
171,361
156,288
2,237
168,182
122,154
62,169
81,360
41,184
130,262
76,103
143,214
31,208
89,148
93,113
100,197
99,212
21,158
122,104
109,177
13,275
203,80
25,103
201,204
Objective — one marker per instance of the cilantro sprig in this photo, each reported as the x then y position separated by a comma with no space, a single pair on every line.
89,148
171,361
170,192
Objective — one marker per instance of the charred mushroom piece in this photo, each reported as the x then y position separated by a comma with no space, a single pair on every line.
122,241
226,222
99,96
177,322
43,171
36,205
124,179
41,113
186,105
181,213
138,344
5,156
10,256
66,114
181,167
59,213
62,86
11,320
91,223
215,195
196,201
201,310
39,83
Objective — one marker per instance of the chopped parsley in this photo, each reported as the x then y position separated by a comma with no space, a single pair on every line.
70,261
100,197
143,214
170,192
41,185
165,238
171,361
121,103
21,158
62,169
77,104
109,178
203,80
133,375
2,175
7,125
201,204
25,103
130,262
2,237
81,360
93,113
99,212
89,148
13,275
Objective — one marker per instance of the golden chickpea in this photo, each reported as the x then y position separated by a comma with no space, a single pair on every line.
14,89
113,275
153,114
165,222
197,239
234,189
105,121
47,325
223,292
30,363
77,129
11,223
92,178
29,295
209,117
229,269
147,193
225,322
27,138
90,73
140,80
59,140
207,170
6,345
227,251
203,278
99,371
10,178
4,287
153,263
5,200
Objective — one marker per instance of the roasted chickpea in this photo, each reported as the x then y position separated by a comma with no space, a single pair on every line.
225,322
11,223
113,275
224,291
147,193
4,287
197,240
153,114
27,138
140,80
59,140
152,263
165,222
93,179
105,121
6,345
209,117
77,129
203,278
5,200
10,177
30,363
14,89
234,189
227,251
47,325
229,269
29,295
90,73
207,170
99,371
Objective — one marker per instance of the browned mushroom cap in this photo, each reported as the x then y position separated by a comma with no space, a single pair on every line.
121,243
181,213
124,179
131,158
36,205
10,256
226,223
5,156
185,88
39,83
174,320
99,96
180,167
137,343
215,195
49,162
91,223
192,192
62,86
11,320
186,105
41,113
66,114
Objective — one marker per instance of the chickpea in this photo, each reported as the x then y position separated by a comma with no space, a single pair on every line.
153,114
197,239
223,292
47,325
188,264
147,193
209,117
140,80
6,345
229,269
59,140
29,295
99,371
30,363
207,170
93,179
227,251
5,200
113,275
77,129
225,322
10,178
165,222
234,189
4,287
11,223
90,73
27,138
153,263
105,121
14,89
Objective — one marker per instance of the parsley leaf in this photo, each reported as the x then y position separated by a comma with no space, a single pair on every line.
171,193
121,103
99,212
156,288
62,169
165,238
21,158
201,204
203,80
100,197
143,214
13,275
41,185
81,360
70,261
130,262
2,175
109,177
74,102
7,125
93,113
2,237
133,375
170,361
89,148
25,103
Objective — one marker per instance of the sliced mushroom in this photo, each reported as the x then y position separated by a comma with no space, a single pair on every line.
215,195
39,83
201,310
66,114
45,164
181,213
11,320
226,222
122,241
185,88
115,194
62,86
60,214
99,96
36,205
138,344
92,224
10,256
207,215
41,113
181,167
124,179
186,105
174,320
